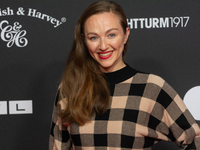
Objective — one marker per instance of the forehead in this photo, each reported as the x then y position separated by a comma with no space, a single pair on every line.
102,21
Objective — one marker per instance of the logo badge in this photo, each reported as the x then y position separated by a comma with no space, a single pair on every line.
3,107
13,34
20,107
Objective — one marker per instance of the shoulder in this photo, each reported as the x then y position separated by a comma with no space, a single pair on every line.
155,79
152,80
144,77
60,102
141,77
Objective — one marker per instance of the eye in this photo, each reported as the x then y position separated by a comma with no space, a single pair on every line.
93,38
111,35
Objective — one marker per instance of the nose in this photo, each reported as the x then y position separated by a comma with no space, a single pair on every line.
103,45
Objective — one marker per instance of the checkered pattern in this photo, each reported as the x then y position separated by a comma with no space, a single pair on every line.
144,110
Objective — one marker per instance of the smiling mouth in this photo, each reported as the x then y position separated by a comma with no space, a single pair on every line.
105,55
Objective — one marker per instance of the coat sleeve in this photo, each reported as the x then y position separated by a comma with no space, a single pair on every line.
183,129
59,136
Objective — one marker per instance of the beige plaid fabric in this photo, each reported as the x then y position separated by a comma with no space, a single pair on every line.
144,110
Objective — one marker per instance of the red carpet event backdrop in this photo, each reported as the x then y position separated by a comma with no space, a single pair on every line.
36,37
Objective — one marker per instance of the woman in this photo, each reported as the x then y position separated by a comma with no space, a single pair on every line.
103,103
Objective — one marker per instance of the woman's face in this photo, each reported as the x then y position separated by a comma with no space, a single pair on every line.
105,40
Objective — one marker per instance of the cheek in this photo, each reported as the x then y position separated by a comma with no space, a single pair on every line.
118,44
91,47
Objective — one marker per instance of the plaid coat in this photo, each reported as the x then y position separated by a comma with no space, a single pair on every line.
144,110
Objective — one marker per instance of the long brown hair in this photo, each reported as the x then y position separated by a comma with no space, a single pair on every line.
83,87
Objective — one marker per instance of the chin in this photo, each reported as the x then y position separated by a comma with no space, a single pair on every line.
106,66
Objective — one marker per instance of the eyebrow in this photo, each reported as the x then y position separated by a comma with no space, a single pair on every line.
106,31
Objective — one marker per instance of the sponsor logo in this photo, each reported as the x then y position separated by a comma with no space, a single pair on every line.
3,107
162,22
192,101
33,13
13,34
39,15
6,12
16,107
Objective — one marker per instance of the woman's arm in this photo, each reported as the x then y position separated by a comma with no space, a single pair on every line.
59,136
185,131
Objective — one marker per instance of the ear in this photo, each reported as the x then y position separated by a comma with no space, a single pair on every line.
82,36
127,35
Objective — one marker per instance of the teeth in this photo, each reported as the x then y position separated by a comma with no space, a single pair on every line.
106,54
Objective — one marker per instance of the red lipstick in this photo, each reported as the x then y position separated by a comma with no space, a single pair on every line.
105,55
